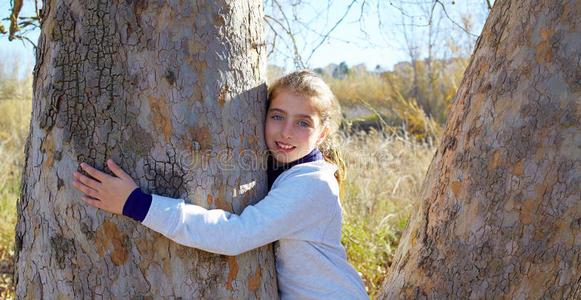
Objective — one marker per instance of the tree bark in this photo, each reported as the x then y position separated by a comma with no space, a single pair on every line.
174,91
500,208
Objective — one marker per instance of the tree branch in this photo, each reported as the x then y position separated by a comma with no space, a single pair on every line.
331,30
18,24
489,6
274,38
14,19
298,59
451,20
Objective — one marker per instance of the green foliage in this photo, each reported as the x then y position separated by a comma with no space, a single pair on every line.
370,250
341,71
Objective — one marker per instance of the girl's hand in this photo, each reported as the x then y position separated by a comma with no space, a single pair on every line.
108,193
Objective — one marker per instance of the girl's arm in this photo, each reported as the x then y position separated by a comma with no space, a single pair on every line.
299,202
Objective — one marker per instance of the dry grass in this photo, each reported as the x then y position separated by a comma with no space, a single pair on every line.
384,175
15,106
13,133
6,270
364,86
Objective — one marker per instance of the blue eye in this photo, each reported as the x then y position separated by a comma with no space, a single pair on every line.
304,124
277,117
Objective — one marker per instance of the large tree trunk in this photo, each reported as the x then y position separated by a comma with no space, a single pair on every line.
172,90
500,209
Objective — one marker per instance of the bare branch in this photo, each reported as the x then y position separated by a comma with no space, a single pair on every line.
488,3
14,18
361,20
274,38
269,19
24,38
19,26
298,59
331,30
451,20
432,13
401,10
322,35
362,10
273,46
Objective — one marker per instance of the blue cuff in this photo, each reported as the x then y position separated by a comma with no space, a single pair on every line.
137,205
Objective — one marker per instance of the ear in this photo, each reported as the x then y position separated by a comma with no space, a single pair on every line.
322,135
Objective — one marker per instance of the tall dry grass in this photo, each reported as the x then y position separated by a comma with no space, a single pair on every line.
387,164
384,175
15,110
430,86
13,133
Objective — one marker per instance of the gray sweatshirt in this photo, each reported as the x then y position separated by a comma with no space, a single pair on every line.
301,214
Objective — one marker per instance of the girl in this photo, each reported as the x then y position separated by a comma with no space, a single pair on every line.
301,212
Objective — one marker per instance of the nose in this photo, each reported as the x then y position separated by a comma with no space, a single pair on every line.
287,130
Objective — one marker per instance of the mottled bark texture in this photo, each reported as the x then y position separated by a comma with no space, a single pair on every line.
499,215
173,91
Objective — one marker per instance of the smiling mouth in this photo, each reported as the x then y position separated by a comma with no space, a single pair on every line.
284,147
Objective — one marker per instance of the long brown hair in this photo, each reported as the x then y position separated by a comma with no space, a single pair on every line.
309,85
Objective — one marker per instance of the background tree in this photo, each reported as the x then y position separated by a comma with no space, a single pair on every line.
500,208
174,91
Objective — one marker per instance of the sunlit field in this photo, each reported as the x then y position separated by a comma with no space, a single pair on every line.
385,162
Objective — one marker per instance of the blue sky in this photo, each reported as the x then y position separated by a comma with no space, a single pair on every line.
20,50
372,34
357,39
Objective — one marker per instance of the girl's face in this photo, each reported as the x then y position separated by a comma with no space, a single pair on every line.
293,127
